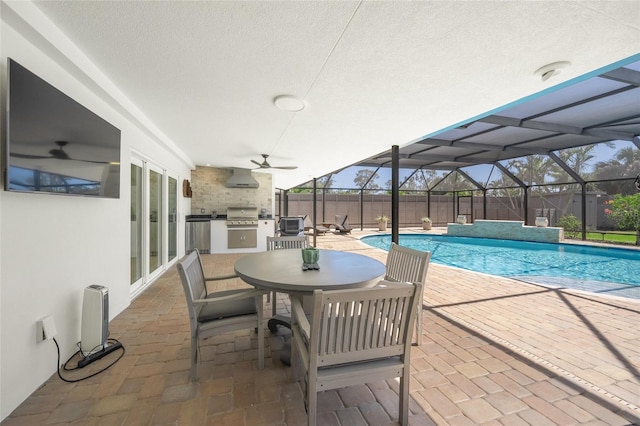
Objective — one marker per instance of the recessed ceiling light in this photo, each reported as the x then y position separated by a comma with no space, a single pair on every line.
550,70
289,103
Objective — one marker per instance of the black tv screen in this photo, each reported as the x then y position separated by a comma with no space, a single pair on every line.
54,144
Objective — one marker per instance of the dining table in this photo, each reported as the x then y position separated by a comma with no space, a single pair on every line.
282,271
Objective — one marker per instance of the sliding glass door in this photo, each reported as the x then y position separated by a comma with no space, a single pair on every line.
137,223
172,218
154,216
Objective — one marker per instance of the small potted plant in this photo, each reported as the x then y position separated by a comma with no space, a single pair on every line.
382,222
426,223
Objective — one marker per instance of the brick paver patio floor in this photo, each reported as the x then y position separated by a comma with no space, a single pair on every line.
495,352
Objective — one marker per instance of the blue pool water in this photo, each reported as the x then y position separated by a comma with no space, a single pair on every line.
599,269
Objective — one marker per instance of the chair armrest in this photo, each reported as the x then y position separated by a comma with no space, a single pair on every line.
221,277
300,317
391,283
241,294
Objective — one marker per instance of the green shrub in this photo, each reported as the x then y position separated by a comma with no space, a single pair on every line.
571,224
625,210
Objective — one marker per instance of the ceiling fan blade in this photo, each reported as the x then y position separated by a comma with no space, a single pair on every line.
37,157
265,164
90,161
17,155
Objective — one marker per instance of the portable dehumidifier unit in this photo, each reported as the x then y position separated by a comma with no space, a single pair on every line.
95,319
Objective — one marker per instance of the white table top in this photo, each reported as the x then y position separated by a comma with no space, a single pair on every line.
281,270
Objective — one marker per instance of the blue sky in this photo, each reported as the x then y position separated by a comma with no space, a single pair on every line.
345,179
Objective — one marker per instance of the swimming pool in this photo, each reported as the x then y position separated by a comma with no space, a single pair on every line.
597,269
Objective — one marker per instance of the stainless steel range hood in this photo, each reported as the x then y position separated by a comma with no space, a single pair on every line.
242,178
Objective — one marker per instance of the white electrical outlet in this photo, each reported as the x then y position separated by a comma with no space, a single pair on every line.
45,329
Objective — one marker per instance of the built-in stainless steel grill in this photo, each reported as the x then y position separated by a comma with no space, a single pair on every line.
242,217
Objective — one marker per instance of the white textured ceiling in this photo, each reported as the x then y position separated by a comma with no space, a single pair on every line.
373,74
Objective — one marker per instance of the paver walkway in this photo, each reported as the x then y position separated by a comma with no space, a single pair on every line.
496,352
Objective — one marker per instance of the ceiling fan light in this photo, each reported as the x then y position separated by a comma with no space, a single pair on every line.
289,103
550,70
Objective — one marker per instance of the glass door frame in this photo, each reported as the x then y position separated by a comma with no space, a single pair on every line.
172,217
149,276
160,219
137,245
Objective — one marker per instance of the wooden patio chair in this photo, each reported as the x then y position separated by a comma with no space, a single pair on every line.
218,312
279,243
356,336
318,230
409,266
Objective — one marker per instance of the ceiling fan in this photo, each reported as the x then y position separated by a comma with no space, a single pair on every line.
265,164
57,153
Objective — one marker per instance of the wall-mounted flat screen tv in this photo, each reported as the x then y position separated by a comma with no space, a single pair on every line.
54,144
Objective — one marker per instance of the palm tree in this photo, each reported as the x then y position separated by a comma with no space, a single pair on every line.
625,164
505,190
455,182
577,159
532,169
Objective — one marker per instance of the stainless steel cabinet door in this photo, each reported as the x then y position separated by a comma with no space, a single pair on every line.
203,236
242,238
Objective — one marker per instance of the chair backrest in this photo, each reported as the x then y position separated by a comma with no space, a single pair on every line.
277,243
362,324
341,220
193,281
407,265
308,224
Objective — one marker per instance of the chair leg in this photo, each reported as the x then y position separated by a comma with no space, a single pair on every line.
419,325
274,304
259,300
194,359
312,397
260,342
312,405
403,393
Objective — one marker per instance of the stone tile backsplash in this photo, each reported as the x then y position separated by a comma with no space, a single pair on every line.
210,192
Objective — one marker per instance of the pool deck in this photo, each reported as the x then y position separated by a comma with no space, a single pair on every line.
495,352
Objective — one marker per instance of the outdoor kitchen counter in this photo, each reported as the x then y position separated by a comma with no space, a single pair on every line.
219,236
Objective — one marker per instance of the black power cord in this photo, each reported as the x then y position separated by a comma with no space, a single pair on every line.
114,341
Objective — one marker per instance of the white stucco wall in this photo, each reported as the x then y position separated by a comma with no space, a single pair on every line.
52,247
